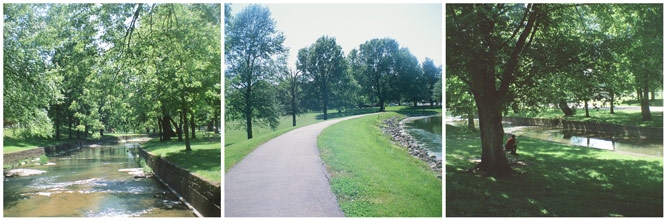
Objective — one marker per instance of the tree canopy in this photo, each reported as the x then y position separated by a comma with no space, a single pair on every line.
523,57
82,68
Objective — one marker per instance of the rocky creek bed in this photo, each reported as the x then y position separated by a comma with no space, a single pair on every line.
395,130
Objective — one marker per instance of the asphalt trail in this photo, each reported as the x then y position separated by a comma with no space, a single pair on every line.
284,177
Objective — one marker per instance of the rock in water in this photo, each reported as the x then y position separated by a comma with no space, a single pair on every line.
22,172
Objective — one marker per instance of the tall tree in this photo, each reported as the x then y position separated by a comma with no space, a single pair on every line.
432,75
379,58
30,82
323,63
253,43
489,41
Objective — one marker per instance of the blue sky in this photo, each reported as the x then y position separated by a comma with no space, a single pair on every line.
415,26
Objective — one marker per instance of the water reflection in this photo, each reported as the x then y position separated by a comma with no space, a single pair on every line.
428,132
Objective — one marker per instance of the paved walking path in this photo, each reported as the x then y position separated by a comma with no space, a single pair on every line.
284,177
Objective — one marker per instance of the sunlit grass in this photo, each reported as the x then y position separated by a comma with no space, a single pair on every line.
204,159
237,146
557,180
372,177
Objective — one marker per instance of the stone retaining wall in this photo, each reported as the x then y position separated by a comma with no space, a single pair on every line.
16,157
611,129
204,196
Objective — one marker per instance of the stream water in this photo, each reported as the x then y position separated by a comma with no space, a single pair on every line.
87,183
634,146
428,132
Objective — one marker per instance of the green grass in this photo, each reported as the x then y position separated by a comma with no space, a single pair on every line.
204,159
13,143
237,146
558,180
622,117
372,177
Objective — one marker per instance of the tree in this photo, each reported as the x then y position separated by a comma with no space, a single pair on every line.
433,75
489,41
378,58
253,44
322,64
411,83
291,81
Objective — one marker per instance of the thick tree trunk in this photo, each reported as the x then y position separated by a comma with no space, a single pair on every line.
646,112
325,100
167,131
494,160
562,104
179,127
586,108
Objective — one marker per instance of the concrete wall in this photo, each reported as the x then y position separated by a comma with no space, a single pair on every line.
204,196
16,157
612,129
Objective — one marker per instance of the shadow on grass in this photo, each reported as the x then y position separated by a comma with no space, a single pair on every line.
197,159
557,180
349,112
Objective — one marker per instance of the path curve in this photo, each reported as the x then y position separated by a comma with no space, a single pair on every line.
283,177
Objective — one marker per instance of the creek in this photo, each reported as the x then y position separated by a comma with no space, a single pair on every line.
87,183
623,145
428,132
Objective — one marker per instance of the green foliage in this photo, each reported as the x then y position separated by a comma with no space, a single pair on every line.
43,160
324,67
252,42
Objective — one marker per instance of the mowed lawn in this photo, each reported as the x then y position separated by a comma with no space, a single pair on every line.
373,177
205,158
557,180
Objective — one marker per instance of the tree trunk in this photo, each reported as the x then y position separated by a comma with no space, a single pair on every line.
646,112
101,132
586,108
611,105
494,160
471,120
414,103
293,108
562,104
185,128
193,125
248,111
167,131
159,125
179,126
325,99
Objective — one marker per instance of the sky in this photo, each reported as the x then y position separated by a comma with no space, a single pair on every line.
415,26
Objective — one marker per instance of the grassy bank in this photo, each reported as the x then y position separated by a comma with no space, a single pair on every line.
372,177
237,146
556,180
622,117
13,143
204,159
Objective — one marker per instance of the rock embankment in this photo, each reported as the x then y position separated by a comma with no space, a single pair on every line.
393,128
